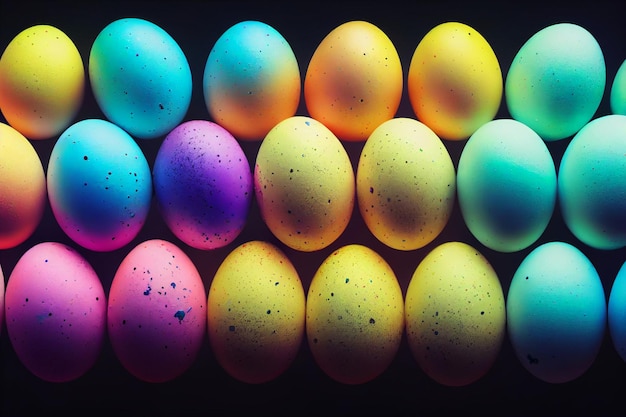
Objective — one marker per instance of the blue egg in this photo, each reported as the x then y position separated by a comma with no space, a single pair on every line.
556,312
618,91
617,312
140,77
99,185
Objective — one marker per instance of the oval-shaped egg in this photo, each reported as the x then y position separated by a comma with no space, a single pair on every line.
556,81
1,300
454,81
251,80
203,184
556,312
616,312
42,82
618,91
405,184
99,185
354,80
156,311
140,77
55,310
256,313
354,315
455,314
507,185
592,183
304,184
23,194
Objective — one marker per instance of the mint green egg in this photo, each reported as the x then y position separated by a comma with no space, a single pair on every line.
618,91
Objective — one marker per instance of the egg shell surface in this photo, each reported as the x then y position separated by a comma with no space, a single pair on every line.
55,310
42,82
256,313
203,184
618,91
556,312
157,311
2,289
354,315
616,311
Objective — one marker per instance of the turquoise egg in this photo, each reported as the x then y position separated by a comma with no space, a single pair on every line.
617,312
618,91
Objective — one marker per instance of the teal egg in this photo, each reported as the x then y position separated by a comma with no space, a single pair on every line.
618,91
506,185
617,312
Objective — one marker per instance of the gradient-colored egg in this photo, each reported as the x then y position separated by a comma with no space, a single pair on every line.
99,185
256,313
354,80
556,312
140,77
616,312
454,81
556,81
203,184
156,311
405,184
304,184
251,80
1,300
455,314
23,195
42,82
55,310
618,91
592,183
354,315
507,185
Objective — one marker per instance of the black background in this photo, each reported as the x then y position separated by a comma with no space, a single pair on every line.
205,389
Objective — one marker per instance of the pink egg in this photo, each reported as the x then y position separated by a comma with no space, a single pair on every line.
157,311
55,312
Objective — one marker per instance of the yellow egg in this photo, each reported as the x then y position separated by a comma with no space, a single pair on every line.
354,80
256,312
454,81
304,184
406,184
354,315
42,81
455,314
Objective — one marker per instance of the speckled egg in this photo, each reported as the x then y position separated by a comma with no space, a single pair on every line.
405,184
304,184
256,313
354,315
616,311
99,185
156,311
203,184
55,310
618,91
455,314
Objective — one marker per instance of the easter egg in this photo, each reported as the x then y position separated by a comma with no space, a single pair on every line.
99,185
23,194
616,311
256,313
304,184
354,80
454,81
251,80
405,184
203,184
140,77
556,312
156,317
618,91
455,314
556,81
507,185
354,315
55,310
42,82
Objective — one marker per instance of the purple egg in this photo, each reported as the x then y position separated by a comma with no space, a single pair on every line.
203,184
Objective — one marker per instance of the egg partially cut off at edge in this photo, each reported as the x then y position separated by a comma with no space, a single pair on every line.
617,312
618,91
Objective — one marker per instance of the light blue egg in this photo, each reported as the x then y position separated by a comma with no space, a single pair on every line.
618,91
617,312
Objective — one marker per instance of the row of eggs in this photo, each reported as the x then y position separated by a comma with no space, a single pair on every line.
353,316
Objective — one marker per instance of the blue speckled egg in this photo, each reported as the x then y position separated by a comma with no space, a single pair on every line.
617,312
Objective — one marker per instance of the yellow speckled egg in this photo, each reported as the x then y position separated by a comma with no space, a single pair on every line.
454,81
354,80
256,312
42,82
304,184
405,184
354,315
455,314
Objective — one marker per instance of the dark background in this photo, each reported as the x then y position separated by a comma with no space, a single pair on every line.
205,389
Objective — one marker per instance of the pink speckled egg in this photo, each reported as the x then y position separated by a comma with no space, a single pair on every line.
55,312
157,311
